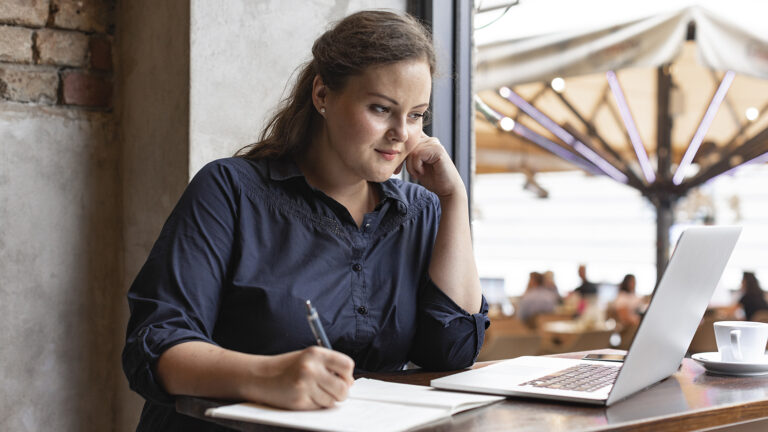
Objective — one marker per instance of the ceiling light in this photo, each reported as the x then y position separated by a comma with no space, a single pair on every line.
558,84
752,113
507,124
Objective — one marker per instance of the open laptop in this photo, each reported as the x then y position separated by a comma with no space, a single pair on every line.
664,334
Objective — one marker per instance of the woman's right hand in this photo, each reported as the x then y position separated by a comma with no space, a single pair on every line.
312,378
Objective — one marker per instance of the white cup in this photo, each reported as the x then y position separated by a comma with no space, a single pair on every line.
741,341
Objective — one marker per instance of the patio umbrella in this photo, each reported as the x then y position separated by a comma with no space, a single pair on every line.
661,96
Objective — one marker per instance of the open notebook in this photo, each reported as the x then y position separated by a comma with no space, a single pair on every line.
372,405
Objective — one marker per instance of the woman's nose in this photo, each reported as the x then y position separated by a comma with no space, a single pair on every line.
398,131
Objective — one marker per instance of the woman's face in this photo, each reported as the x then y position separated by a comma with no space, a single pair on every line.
631,284
376,120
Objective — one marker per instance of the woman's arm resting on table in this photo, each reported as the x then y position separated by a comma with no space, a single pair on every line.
452,267
312,378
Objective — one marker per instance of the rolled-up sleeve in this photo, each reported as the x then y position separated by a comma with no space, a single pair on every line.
175,297
447,336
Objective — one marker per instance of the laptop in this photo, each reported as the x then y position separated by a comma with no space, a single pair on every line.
661,340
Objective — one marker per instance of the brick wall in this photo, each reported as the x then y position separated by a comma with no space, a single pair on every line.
57,52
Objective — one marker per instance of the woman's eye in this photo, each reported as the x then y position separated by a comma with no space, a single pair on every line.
380,109
417,115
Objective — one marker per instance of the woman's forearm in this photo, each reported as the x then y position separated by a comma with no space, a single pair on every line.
308,379
453,267
203,369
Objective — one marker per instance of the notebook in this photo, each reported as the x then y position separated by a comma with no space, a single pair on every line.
372,405
661,340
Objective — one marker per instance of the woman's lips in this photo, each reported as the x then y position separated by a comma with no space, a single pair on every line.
388,155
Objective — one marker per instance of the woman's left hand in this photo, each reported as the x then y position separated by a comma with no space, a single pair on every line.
430,164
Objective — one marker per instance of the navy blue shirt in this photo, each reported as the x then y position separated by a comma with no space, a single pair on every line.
250,241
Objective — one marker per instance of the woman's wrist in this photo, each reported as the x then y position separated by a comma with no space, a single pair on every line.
457,197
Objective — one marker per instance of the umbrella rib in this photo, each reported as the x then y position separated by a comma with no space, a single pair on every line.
726,101
549,124
753,149
624,167
632,180
506,124
706,121
629,124
615,115
743,128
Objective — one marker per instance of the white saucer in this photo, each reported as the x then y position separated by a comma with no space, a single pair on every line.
711,362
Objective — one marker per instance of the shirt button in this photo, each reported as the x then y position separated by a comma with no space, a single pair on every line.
362,310
357,267
367,226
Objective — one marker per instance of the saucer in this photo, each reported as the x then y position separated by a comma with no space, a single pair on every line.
711,362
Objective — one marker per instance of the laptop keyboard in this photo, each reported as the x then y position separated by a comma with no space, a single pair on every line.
583,377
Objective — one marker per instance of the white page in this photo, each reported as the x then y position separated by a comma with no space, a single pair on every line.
373,405
352,415
453,402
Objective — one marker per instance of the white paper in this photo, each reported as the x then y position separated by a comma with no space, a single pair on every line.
453,402
373,405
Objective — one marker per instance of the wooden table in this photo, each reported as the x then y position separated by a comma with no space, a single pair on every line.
690,399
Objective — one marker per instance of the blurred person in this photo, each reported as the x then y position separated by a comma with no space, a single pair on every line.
548,282
537,299
627,304
752,296
586,288
582,296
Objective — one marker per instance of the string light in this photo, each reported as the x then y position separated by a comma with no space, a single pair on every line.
558,84
752,113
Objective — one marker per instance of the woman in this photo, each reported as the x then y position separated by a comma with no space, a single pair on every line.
310,212
538,299
753,297
627,304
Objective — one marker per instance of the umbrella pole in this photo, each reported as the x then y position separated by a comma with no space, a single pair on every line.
664,204
663,199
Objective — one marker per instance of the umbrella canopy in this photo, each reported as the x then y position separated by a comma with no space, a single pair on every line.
631,90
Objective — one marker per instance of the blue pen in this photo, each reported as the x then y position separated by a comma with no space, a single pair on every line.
317,327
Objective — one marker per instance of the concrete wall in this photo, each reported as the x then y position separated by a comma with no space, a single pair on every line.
59,268
261,43
153,116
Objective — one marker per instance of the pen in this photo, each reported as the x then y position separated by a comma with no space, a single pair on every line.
317,327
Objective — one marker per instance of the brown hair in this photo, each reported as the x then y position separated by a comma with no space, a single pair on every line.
359,41
751,285
624,285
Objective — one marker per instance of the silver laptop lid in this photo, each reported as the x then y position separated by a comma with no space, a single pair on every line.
676,308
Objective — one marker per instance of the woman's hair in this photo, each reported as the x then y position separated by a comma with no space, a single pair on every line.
624,285
751,285
535,281
359,41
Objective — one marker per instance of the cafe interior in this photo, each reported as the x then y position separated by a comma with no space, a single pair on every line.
592,134
598,141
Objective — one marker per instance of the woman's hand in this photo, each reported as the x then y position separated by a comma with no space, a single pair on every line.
309,379
430,164
312,378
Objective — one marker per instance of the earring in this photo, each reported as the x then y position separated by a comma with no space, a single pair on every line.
322,110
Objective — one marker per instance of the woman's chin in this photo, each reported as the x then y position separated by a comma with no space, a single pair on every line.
380,176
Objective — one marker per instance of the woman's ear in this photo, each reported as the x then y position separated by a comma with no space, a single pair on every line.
319,94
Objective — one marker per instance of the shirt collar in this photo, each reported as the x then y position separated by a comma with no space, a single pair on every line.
391,190
286,168
283,169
